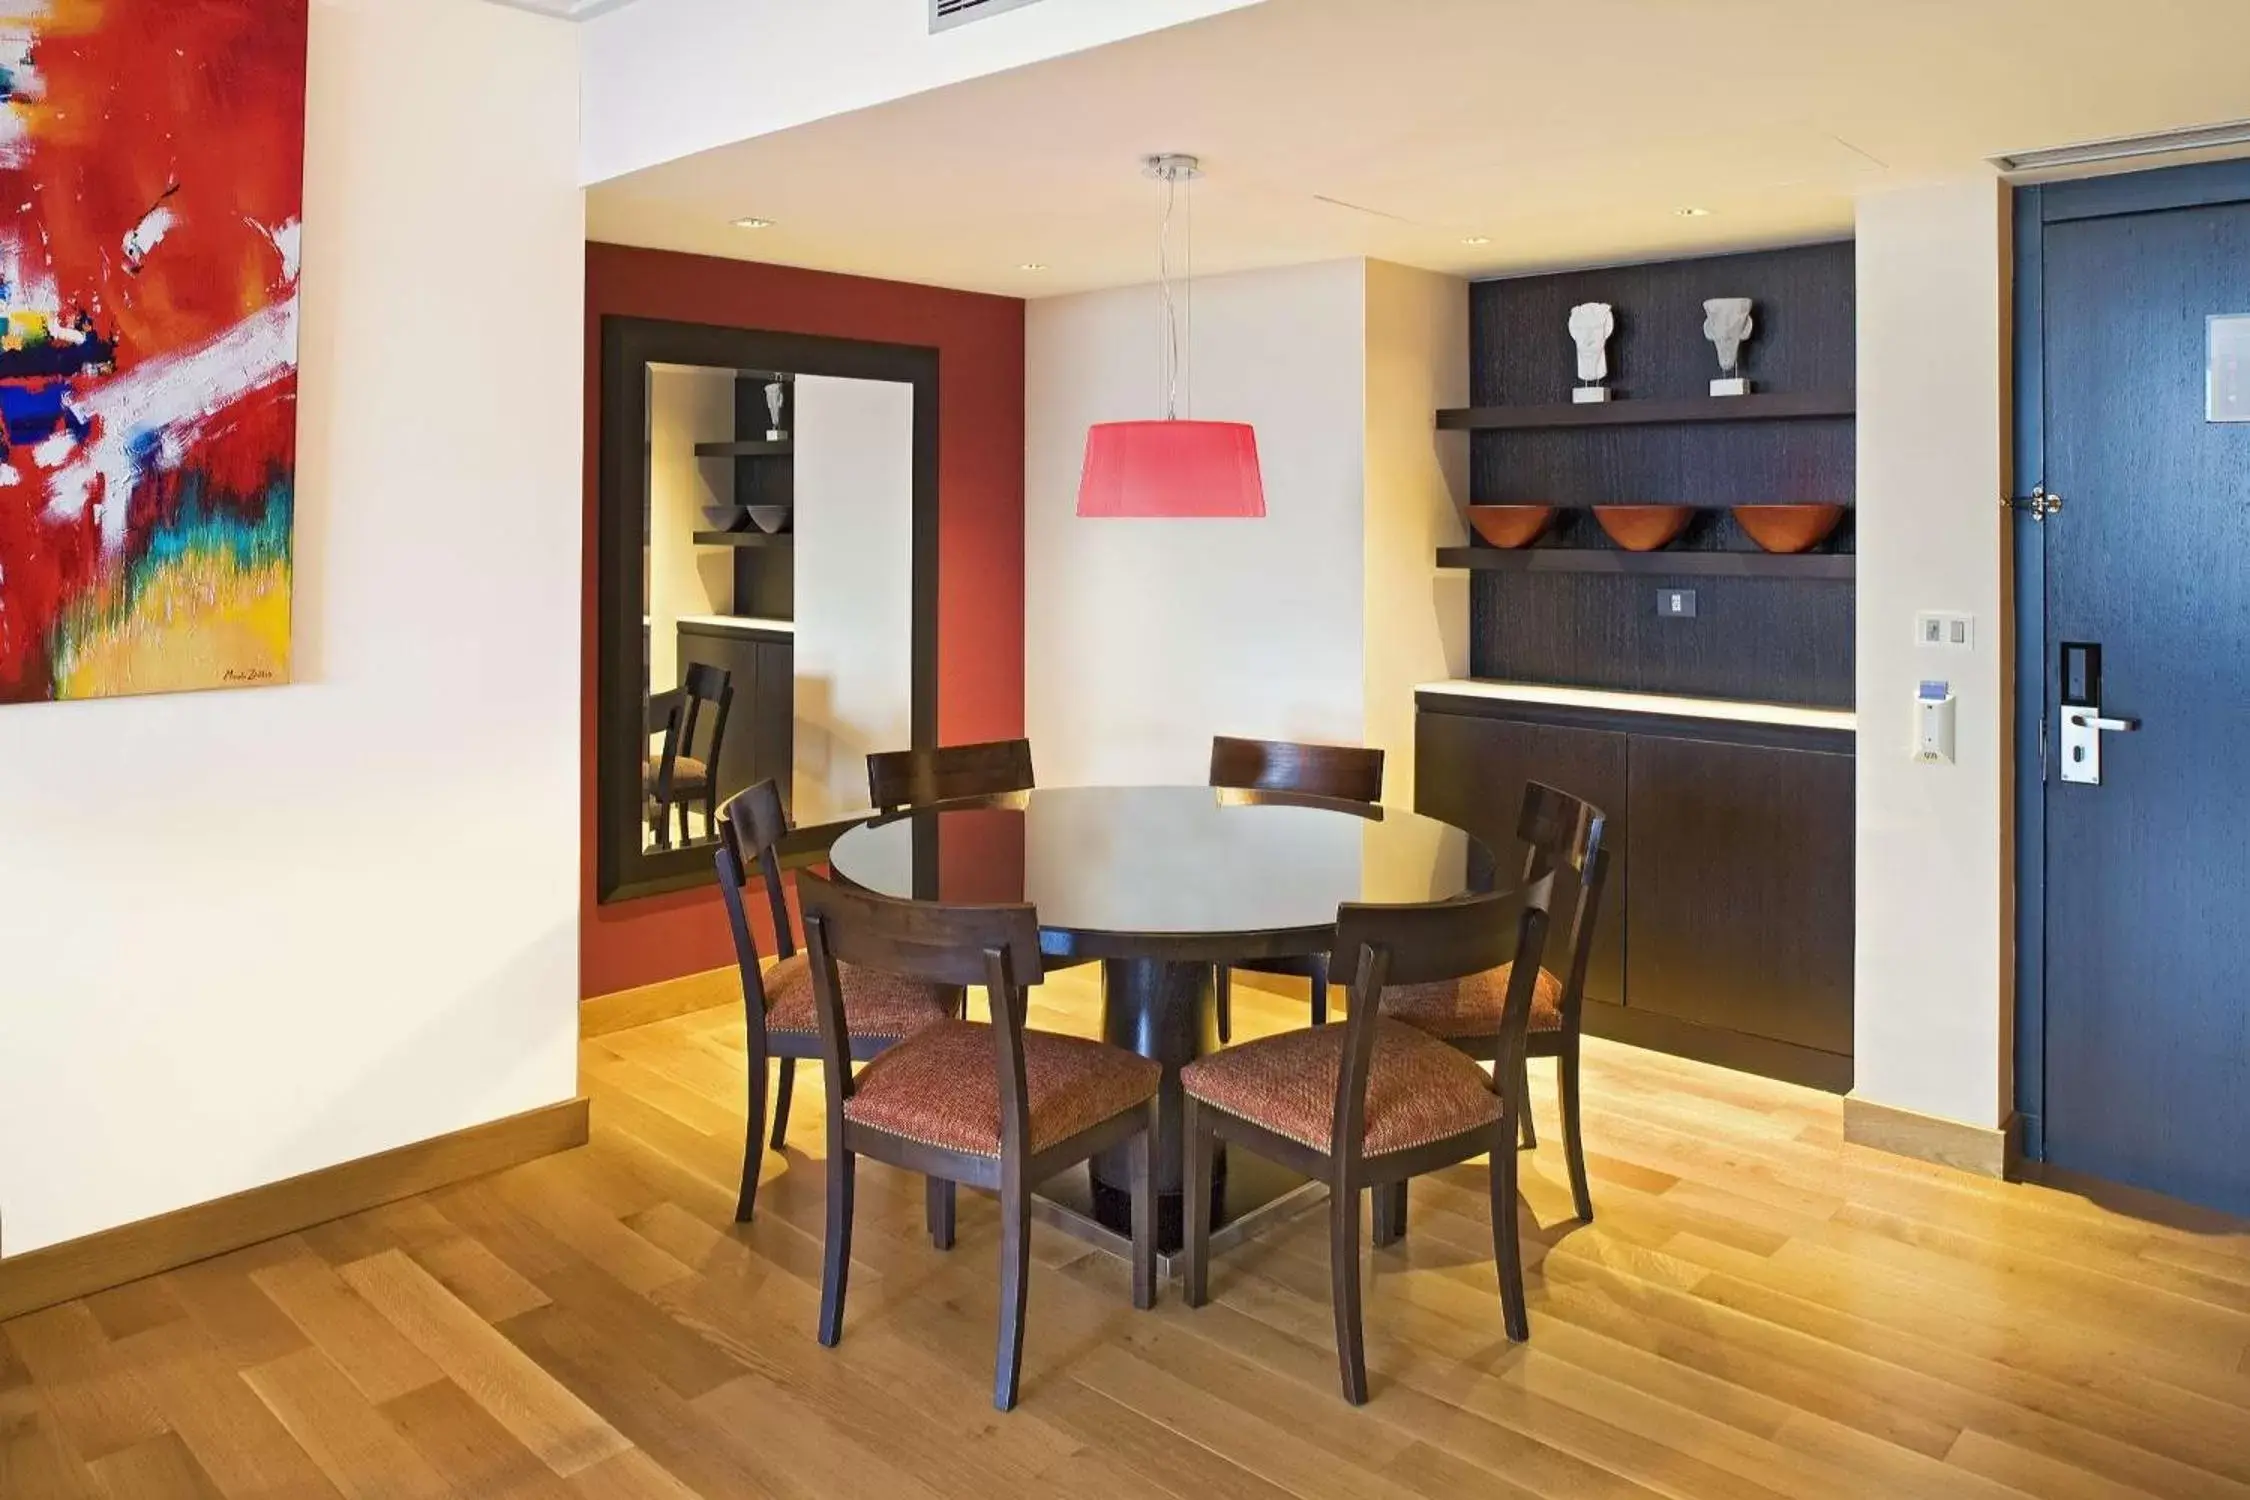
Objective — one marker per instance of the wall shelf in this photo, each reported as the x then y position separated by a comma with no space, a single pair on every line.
747,449
1757,407
1833,566
744,539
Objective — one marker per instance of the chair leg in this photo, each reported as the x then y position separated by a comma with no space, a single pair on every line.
1320,991
1574,1144
937,1204
784,1086
1195,1203
1390,1214
1015,1291
1527,1132
1224,989
836,1266
753,1139
1507,1243
1343,1268
1144,1213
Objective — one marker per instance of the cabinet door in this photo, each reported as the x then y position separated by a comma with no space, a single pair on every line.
773,717
1741,889
1471,773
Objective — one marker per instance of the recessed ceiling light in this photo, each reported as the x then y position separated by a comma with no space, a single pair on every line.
1033,265
1478,239
1693,213
753,223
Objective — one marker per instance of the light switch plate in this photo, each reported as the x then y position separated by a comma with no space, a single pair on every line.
1953,632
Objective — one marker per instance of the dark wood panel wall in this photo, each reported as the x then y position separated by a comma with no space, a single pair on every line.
1783,639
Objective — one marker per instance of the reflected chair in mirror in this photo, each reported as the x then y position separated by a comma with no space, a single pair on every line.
899,779
1346,773
680,776
1565,838
779,1011
1372,1102
998,1107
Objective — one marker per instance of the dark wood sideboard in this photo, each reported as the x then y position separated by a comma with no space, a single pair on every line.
1727,929
762,664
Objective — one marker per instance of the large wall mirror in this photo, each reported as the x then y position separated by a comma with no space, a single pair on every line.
768,582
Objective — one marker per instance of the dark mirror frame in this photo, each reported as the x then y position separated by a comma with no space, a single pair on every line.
624,869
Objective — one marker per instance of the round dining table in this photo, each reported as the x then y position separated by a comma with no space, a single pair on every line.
1160,885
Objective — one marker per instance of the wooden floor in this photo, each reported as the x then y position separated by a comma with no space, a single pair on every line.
1760,1311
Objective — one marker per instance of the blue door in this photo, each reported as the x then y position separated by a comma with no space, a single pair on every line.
2146,873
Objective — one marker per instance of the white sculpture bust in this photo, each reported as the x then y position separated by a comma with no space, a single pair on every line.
1591,324
1727,324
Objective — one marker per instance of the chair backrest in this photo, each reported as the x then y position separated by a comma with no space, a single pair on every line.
704,684
1392,945
914,778
993,946
1345,772
752,824
1566,838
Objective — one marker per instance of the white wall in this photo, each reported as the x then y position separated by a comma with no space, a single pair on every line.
668,78
249,934
854,587
1415,617
1147,637
685,407
1935,992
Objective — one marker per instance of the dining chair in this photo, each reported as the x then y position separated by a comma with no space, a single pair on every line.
680,776
1347,773
998,1107
1374,1101
780,1014
1565,837
899,779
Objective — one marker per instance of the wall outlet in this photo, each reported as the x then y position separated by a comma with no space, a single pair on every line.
1951,631
1675,604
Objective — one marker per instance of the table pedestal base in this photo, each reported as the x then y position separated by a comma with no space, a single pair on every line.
1256,1195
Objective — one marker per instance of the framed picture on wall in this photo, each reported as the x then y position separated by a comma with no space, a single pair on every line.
151,188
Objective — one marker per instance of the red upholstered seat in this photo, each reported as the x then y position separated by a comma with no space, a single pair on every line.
1472,1006
1418,1089
941,1087
876,1004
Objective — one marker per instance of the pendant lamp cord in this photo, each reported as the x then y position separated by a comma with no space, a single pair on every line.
1175,293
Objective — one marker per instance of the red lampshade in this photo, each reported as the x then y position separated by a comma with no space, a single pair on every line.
1179,469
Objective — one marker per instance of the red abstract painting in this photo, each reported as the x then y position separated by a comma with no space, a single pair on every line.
151,188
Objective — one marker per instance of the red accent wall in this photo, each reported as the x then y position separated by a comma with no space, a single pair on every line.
979,340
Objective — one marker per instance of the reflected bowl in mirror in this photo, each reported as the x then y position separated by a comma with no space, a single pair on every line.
725,517
1789,528
770,519
1510,525
1643,528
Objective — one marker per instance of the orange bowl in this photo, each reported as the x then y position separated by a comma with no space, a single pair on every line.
1643,528
1789,528
1510,525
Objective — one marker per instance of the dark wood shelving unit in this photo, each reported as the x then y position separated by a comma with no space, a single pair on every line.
1756,407
1834,566
752,448
744,539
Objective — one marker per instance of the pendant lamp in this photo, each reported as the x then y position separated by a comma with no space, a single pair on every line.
1172,468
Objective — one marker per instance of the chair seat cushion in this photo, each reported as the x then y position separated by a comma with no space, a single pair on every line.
687,772
941,1087
1467,1007
1419,1090
876,1004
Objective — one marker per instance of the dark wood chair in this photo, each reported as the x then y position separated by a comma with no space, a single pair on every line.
999,1107
1344,772
681,775
1564,835
779,1011
1374,1102
899,779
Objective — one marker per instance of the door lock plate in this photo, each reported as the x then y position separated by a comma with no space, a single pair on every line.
2083,723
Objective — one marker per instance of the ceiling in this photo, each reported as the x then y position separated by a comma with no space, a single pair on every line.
569,10
1556,131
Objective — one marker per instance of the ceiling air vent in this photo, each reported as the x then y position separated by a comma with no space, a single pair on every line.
947,14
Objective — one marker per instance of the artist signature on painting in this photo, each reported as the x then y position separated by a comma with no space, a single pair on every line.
246,675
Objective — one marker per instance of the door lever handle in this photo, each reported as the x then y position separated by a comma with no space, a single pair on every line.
2090,720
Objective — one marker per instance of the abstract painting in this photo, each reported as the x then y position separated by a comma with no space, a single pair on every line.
151,185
